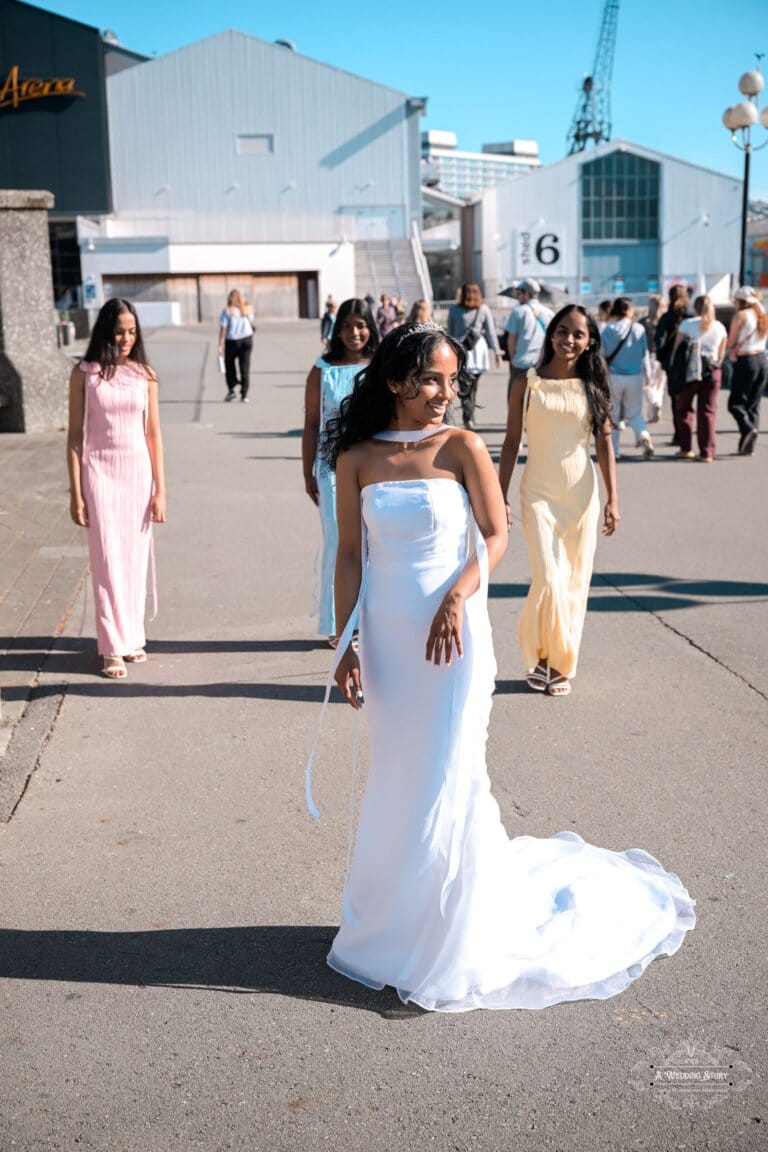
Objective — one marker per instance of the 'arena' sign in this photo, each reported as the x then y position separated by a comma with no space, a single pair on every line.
16,91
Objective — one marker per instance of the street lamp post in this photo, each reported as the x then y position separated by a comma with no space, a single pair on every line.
739,120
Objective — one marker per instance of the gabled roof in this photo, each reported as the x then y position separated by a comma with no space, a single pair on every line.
233,33
609,146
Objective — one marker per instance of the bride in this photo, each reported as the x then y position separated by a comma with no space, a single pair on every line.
439,903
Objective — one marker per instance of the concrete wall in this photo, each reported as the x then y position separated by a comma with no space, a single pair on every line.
33,373
334,264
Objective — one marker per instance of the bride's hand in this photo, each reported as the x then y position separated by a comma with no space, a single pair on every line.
445,632
347,677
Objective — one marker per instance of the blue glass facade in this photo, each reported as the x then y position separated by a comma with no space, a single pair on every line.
620,198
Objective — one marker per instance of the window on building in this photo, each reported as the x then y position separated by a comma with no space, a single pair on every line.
620,198
255,145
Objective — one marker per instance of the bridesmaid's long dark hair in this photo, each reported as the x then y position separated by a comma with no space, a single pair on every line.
591,366
354,307
102,348
370,408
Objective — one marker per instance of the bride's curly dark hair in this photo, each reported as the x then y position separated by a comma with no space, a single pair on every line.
591,366
370,408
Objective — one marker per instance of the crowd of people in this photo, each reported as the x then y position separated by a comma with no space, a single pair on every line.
458,916
560,400
390,313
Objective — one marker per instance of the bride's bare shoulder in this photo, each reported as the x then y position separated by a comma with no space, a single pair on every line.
467,441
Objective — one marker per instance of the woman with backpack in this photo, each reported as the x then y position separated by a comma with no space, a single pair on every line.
704,339
471,323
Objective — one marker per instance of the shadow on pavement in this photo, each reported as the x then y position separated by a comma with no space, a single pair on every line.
291,434
647,592
275,959
242,690
512,688
158,647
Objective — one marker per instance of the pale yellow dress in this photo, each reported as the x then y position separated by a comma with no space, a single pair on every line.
560,508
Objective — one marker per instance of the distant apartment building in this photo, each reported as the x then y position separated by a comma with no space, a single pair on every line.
468,174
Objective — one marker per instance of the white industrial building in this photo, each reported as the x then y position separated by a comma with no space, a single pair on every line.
237,163
619,219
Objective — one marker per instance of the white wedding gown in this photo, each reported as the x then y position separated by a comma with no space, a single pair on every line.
439,903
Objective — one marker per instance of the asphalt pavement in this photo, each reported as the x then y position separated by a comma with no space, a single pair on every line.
167,902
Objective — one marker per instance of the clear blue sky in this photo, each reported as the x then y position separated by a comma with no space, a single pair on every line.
499,69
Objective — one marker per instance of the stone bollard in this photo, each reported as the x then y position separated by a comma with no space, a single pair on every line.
33,372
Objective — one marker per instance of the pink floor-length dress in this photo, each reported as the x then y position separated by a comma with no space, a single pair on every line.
116,480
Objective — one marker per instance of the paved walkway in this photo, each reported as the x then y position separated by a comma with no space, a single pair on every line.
167,902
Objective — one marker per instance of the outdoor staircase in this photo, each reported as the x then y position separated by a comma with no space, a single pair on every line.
388,266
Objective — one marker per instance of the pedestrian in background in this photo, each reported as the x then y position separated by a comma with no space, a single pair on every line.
654,389
626,354
603,313
385,315
657,306
562,405
470,322
525,329
116,478
746,349
354,340
705,338
327,322
666,333
236,344
420,313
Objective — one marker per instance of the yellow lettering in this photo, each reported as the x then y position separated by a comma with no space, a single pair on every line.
15,91
9,91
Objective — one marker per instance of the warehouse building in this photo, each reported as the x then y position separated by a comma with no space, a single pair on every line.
230,163
619,219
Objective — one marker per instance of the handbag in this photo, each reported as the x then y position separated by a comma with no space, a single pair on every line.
472,335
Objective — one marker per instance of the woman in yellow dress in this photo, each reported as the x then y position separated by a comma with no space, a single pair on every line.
561,404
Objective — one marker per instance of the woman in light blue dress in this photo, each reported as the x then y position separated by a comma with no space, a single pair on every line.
355,339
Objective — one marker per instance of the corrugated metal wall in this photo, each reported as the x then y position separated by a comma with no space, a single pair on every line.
340,142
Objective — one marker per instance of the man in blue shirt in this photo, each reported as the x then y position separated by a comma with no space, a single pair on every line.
525,330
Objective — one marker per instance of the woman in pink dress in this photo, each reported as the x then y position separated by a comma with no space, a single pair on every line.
117,484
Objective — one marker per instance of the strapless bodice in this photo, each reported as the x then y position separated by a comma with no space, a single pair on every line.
416,523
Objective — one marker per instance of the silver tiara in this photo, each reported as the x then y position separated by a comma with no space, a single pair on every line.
413,329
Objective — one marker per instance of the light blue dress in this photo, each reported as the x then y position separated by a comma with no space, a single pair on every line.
336,382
